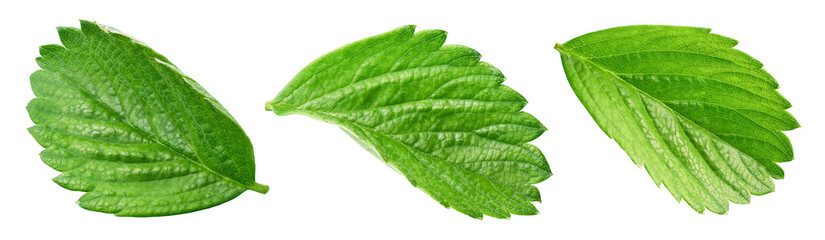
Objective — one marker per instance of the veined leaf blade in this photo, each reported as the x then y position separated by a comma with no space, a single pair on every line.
704,119
433,112
126,126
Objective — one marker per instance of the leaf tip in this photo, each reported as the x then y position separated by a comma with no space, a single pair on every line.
84,21
87,25
409,27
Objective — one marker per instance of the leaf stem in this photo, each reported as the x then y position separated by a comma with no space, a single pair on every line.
263,189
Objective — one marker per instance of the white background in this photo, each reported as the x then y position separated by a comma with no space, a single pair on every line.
323,185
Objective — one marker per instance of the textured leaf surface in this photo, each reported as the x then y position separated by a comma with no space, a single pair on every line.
434,113
703,118
126,126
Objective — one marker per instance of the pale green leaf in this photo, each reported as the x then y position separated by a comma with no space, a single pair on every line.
126,126
703,118
434,113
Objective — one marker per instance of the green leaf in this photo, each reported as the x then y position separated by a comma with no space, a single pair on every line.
703,118
126,126
434,113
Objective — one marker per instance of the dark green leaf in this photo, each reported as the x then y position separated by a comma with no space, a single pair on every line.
126,126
